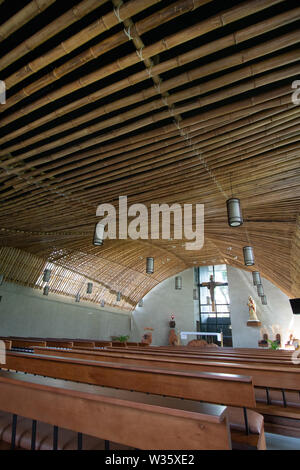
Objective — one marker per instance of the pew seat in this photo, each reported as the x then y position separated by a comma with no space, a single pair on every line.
276,398
67,439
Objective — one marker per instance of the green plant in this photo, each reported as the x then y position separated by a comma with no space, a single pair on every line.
122,339
274,344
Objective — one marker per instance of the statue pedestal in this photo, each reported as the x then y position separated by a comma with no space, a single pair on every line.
253,323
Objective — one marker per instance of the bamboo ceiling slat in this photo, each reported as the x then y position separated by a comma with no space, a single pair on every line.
23,16
102,25
156,48
217,123
154,105
49,31
189,102
202,51
105,170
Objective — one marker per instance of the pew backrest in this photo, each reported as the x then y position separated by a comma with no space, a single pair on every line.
221,388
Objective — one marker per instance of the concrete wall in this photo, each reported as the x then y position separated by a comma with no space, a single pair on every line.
276,317
27,312
158,306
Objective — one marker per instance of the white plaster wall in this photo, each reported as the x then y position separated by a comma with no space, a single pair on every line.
27,312
277,314
158,306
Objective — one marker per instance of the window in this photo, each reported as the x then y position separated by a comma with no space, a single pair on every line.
217,319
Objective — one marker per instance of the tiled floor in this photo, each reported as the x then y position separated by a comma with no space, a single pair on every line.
277,442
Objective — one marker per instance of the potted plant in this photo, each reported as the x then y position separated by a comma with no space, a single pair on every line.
122,339
273,344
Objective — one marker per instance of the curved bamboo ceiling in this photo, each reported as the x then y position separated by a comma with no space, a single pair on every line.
165,102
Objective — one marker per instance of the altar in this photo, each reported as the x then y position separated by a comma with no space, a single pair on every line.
185,334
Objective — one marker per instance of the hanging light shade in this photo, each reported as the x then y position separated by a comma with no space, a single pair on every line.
234,213
1,279
195,294
46,290
248,255
264,300
141,303
102,303
178,282
89,288
47,274
260,290
256,278
118,296
150,265
77,298
99,234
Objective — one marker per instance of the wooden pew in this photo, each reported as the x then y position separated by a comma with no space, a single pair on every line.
134,419
59,344
119,344
7,343
215,355
274,384
26,344
203,355
268,354
83,344
100,344
214,388
226,389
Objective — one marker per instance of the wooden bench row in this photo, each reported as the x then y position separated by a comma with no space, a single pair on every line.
132,419
224,389
276,387
26,342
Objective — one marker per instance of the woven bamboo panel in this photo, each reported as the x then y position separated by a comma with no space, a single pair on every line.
178,101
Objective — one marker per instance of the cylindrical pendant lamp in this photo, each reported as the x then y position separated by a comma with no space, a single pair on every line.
178,282
46,290
150,265
248,255
260,290
102,303
141,303
47,274
99,234
256,278
77,298
89,288
264,300
234,212
118,296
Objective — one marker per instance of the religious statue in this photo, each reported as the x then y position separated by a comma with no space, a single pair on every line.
252,309
263,343
293,343
173,338
172,322
211,287
147,337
